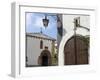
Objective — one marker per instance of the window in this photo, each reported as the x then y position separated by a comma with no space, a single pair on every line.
41,44
46,47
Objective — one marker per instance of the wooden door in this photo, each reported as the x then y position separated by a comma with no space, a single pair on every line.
76,51
45,60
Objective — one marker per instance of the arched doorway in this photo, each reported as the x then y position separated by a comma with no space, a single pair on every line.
76,51
45,58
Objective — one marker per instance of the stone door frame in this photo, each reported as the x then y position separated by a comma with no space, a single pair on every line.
45,53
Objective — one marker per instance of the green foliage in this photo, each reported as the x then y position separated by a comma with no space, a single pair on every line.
86,39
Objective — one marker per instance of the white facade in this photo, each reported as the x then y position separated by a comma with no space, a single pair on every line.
33,50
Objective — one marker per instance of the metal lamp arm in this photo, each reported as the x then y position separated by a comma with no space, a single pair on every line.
84,27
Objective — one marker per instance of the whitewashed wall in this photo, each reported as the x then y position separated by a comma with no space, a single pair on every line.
68,24
34,51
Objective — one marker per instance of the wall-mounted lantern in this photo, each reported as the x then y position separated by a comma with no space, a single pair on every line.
77,21
45,21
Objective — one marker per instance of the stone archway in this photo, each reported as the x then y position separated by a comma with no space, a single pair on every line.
45,58
76,51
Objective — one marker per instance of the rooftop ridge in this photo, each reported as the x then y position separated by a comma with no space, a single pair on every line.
40,35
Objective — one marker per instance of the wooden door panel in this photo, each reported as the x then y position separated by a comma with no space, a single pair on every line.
80,56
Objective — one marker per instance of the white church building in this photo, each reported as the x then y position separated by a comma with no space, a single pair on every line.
39,49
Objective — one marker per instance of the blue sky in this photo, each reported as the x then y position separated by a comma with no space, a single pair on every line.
34,24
